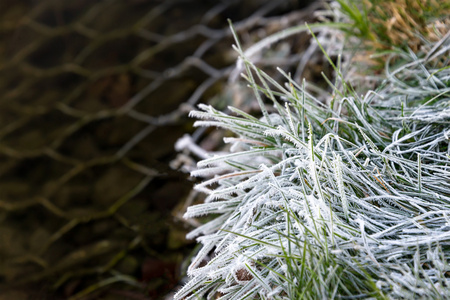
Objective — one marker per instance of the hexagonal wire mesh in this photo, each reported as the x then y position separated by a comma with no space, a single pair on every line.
93,96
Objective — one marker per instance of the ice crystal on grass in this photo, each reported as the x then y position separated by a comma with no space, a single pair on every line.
331,202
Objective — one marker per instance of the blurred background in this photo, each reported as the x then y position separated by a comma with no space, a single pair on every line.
93,97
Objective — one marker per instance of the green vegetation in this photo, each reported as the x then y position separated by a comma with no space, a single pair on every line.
395,24
348,199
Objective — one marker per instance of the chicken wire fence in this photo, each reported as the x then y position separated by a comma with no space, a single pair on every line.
93,95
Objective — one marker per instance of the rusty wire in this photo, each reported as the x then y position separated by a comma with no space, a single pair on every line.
73,74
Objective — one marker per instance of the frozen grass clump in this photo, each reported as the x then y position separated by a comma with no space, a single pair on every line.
347,200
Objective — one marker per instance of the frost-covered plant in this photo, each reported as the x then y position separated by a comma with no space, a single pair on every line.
347,200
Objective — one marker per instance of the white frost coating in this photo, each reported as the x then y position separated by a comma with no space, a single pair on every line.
340,205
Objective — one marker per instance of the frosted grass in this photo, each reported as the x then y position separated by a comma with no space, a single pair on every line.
350,200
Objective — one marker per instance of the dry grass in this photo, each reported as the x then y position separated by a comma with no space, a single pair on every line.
403,22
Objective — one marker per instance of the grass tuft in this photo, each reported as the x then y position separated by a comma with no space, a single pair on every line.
347,200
